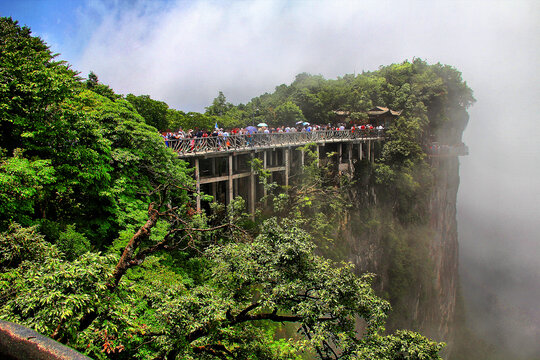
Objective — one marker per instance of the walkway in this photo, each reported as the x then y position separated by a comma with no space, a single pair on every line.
211,145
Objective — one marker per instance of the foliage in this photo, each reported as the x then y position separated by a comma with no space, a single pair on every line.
21,185
154,310
20,244
219,106
153,111
288,114
104,90
72,243
32,88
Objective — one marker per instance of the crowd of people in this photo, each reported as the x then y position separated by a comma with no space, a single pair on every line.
220,132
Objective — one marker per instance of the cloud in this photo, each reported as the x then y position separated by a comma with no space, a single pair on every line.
184,53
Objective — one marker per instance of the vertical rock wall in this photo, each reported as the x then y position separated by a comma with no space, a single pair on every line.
428,302
444,246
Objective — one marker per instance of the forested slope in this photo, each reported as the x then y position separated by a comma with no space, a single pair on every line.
101,248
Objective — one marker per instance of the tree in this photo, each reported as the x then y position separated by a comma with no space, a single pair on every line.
32,88
93,84
288,114
219,106
274,278
154,112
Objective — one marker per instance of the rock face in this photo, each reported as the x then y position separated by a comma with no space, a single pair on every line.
443,249
416,265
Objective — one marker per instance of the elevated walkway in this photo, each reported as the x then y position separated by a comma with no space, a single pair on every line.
197,147
223,164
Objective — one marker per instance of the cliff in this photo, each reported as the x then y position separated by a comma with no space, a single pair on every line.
416,263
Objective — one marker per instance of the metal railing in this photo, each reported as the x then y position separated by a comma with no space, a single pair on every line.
204,145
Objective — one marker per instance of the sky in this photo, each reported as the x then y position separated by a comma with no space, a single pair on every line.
185,52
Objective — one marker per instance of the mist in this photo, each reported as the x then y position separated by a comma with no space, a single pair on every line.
185,52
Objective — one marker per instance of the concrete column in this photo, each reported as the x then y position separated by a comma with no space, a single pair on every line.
349,153
302,159
340,152
318,156
214,184
373,153
360,155
369,149
286,157
230,180
252,190
198,183
214,190
235,182
264,166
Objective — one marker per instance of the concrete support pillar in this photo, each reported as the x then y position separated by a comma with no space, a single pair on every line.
369,149
318,156
252,191
286,159
302,158
349,153
360,144
198,183
264,166
214,184
340,152
230,180
373,152
235,182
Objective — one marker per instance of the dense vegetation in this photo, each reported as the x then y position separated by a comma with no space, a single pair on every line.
101,249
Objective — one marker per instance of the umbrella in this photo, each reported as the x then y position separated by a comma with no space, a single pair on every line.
251,129
305,123
262,124
298,122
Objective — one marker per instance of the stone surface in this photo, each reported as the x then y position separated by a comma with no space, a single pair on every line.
19,342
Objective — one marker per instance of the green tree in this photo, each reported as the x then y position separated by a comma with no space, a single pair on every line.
154,112
219,106
32,88
93,84
288,114
148,311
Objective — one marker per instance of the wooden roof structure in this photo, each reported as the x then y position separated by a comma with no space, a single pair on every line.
382,116
379,110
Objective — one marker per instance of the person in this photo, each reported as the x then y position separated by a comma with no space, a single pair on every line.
226,139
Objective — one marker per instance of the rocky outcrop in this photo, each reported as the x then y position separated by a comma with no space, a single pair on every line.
416,265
